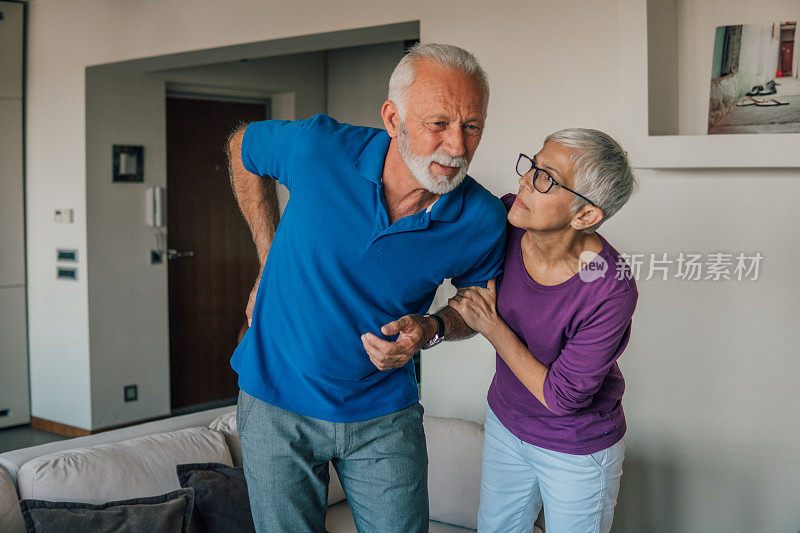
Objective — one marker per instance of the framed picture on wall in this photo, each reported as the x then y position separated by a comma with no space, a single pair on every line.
128,163
670,49
755,83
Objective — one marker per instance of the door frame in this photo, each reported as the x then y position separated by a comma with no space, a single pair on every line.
280,105
215,94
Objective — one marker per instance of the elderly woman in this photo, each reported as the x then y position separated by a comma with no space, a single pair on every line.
559,322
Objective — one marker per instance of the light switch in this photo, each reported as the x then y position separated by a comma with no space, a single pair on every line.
67,255
67,273
64,216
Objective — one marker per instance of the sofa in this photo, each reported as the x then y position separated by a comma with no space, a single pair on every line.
140,461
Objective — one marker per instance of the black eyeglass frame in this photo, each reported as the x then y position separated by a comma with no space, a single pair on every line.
552,181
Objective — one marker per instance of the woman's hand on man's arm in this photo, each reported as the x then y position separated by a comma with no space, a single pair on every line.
478,307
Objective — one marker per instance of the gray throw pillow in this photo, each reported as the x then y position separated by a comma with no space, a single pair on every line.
169,512
221,502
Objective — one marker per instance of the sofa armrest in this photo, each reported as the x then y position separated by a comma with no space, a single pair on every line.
12,461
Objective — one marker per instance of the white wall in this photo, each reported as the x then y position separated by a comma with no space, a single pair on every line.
55,178
662,68
358,82
125,347
712,366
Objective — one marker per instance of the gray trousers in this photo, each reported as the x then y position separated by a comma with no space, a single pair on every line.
382,464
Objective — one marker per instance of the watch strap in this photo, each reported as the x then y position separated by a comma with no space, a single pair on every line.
439,336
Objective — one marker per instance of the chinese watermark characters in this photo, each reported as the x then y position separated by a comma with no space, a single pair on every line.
685,266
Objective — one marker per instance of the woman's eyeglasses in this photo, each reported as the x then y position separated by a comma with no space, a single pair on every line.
542,180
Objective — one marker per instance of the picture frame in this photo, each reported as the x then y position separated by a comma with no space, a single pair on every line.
128,163
659,103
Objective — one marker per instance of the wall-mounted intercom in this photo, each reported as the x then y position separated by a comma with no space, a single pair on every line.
155,205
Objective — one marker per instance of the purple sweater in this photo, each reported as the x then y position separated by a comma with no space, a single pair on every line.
577,329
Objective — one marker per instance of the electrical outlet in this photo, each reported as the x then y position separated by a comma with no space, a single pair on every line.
131,393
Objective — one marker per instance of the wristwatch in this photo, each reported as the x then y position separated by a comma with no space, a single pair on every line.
439,336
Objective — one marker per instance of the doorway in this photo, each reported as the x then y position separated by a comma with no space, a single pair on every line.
212,261
786,51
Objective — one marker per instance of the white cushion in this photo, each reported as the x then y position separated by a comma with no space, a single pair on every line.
438,527
11,520
454,469
335,489
227,424
339,519
144,466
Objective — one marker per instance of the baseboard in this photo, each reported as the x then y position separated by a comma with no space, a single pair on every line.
58,428
71,431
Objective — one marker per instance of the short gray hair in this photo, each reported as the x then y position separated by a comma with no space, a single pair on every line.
601,168
447,55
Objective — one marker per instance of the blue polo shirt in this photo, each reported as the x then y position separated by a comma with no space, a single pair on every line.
337,269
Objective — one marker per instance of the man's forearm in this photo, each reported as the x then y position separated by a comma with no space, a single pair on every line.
454,326
257,198
258,201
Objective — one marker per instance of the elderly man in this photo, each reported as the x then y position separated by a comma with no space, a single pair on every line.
375,222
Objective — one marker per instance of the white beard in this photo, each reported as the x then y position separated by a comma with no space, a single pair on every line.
420,165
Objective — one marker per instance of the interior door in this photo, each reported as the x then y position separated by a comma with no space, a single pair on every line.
787,47
214,262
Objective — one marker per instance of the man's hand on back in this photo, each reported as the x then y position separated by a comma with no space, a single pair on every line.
412,331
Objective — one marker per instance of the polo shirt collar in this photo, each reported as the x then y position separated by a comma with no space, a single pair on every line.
370,165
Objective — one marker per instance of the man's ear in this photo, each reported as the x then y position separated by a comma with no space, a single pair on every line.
587,217
391,118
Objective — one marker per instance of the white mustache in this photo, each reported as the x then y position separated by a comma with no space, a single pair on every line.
448,161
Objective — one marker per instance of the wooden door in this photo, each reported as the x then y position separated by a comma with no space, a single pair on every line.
787,49
210,283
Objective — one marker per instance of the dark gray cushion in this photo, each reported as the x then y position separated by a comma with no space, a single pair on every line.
221,503
169,512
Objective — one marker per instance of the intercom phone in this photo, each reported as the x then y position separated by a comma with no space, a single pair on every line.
155,207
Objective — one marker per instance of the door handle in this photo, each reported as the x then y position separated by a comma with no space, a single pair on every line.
175,254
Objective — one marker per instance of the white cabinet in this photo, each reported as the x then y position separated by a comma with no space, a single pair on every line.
12,231
11,50
14,403
14,384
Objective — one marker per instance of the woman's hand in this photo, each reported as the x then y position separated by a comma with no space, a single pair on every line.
478,307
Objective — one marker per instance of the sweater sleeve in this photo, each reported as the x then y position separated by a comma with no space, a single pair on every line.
578,372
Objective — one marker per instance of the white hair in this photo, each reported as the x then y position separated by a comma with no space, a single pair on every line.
447,55
602,171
